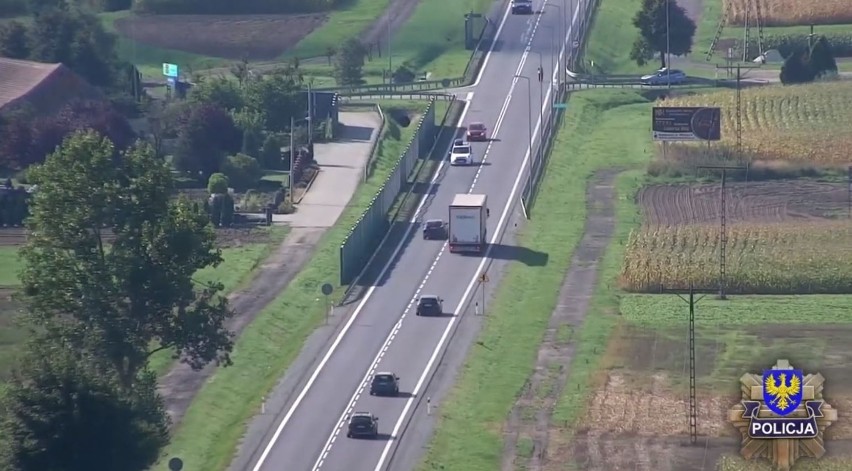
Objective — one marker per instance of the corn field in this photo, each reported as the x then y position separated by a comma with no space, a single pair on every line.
736,463
793,12
760,259
806,124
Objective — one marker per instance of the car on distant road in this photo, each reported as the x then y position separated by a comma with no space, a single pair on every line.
430,305
522,6
664,76
434,229
461,153
384,384
477,132
363,425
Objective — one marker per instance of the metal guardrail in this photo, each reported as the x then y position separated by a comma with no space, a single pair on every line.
398,96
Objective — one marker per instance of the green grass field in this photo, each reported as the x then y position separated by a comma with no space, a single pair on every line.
611,36
214,423
11,267
599,132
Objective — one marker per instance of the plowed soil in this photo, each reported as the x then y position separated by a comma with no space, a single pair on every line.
758,202
253,37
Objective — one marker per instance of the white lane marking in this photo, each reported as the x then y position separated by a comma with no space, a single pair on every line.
490,49
352,318
372,368
341,421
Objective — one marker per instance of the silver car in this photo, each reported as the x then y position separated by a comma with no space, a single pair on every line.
664,76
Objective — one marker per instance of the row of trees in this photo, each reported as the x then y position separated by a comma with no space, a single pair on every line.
83,396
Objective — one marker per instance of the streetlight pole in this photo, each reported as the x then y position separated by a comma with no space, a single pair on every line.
540,105
529,124
390,56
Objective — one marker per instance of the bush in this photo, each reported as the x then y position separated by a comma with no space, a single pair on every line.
221,210
217,184
253,202
230,7
10,8
242,171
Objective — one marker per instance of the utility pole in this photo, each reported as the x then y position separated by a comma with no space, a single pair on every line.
668,48
310,115
723,225
390,56
483,280
692,416
849,197
540,111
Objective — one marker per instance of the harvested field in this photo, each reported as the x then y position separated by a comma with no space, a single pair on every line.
253,37
225,237
804,124
796,258
754,202
792,12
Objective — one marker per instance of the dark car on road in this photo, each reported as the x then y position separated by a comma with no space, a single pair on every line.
434,229
477,132
522,6
384,384
363,425
430,305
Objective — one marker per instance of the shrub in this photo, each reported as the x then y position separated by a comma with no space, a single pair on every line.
253,202
242,171
217,184
786,44
286,207
221,210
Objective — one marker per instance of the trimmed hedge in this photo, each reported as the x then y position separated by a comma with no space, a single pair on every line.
231,7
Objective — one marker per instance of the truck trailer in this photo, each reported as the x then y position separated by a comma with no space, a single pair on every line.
467,226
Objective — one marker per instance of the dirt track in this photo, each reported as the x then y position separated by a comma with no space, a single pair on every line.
763,202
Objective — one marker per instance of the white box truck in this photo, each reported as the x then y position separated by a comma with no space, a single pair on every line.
467,226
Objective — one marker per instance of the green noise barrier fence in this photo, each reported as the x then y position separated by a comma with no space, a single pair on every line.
364,237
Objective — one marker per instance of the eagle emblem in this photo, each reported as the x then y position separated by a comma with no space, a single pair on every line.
782,390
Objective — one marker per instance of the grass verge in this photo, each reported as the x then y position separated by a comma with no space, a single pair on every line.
215,422
600,131
11,266
612,34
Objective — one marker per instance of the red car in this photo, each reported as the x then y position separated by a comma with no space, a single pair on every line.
476,132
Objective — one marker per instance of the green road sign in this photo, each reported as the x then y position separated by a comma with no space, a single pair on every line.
560,106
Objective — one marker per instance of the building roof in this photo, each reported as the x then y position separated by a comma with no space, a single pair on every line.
18,78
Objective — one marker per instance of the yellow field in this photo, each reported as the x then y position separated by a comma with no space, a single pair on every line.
829,463
793,12
807,124
765,259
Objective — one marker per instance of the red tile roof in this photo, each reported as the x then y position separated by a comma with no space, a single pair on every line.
18,78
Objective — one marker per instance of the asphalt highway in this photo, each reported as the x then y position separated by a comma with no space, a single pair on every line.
385,335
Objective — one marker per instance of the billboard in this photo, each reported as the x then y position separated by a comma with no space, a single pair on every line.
686,123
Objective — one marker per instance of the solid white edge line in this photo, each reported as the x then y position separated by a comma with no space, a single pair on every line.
498,233
390,338
346,327
491,46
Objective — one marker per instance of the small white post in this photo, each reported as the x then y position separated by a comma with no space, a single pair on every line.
263,405
428,406
477,308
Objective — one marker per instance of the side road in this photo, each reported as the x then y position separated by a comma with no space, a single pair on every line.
342,165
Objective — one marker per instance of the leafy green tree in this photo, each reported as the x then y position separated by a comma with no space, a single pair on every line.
243,171
134,296
206,135
76,39
656,34
348,68
14,40
219,91
252,124
797,69
270,152
277,98
64,411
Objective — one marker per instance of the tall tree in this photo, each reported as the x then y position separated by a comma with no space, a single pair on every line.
14,40
822,58
661,30
348,68
277,98
62,411
130,297
205,137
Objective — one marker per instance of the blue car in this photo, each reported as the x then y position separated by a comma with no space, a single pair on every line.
522,6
